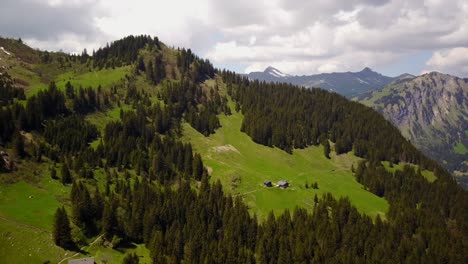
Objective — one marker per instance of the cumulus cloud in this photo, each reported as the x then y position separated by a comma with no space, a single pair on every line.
298,37
338,36
68,25
454,61
44,20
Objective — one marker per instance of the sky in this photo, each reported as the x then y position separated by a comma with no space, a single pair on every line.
295,36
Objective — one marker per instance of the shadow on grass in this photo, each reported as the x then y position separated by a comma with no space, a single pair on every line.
125,245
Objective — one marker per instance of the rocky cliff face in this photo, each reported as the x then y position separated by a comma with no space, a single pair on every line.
432,111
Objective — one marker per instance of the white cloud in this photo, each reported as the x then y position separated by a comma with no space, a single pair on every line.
177,22
67,42
294,35
453,61
331,35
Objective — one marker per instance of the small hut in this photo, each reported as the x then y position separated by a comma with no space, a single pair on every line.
268,184
283,184
89,260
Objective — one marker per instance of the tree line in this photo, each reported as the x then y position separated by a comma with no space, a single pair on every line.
288,117
157,188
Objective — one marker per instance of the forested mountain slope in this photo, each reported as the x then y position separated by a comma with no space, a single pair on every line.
432,112
112,147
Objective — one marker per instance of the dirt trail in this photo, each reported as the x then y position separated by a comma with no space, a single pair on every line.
22,224
2,218
245,193
82,248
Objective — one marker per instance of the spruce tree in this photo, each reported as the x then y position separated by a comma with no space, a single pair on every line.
109,222
131,258
141,64
3,165
61,230
18,145
150,72
326,149
197,167
53,173
66,175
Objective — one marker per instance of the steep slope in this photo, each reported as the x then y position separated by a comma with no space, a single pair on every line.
153,151
345,83
432,111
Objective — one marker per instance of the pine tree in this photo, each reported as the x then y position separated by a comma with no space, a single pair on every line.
66,175
61,230
69,90
53,173
18,145
326,149
141,64
3,165
108,222
197,167
150,72
131,258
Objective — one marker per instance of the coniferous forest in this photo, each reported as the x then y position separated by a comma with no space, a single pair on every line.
157,190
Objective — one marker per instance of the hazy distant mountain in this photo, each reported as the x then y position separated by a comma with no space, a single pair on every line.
270,74
431,110
346,83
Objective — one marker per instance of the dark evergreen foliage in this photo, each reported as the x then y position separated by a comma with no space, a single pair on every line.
70,134
200,110
46,104
197,69
131,258
289,117
165,200
65,174
18,145
172,222
8,91
123,51
61,230
136,143
7,125
86,101
84,211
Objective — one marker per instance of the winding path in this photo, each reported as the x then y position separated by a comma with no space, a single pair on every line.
82,248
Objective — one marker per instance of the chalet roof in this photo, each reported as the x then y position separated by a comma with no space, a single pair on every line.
89,260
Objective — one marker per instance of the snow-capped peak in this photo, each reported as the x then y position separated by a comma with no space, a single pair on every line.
275,72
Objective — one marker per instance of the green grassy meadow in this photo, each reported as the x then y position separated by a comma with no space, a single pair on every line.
104,77
459,148
27,208
429,175
242,166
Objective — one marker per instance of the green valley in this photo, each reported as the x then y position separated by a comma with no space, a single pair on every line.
243,165
142,153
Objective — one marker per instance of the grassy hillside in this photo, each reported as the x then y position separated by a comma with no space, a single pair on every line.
105,78
28,200
242,166
29,196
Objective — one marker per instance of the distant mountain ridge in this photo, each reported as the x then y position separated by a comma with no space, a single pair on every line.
346,83
431,110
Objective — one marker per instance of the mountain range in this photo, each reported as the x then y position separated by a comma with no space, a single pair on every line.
348,84
141,153
430,110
